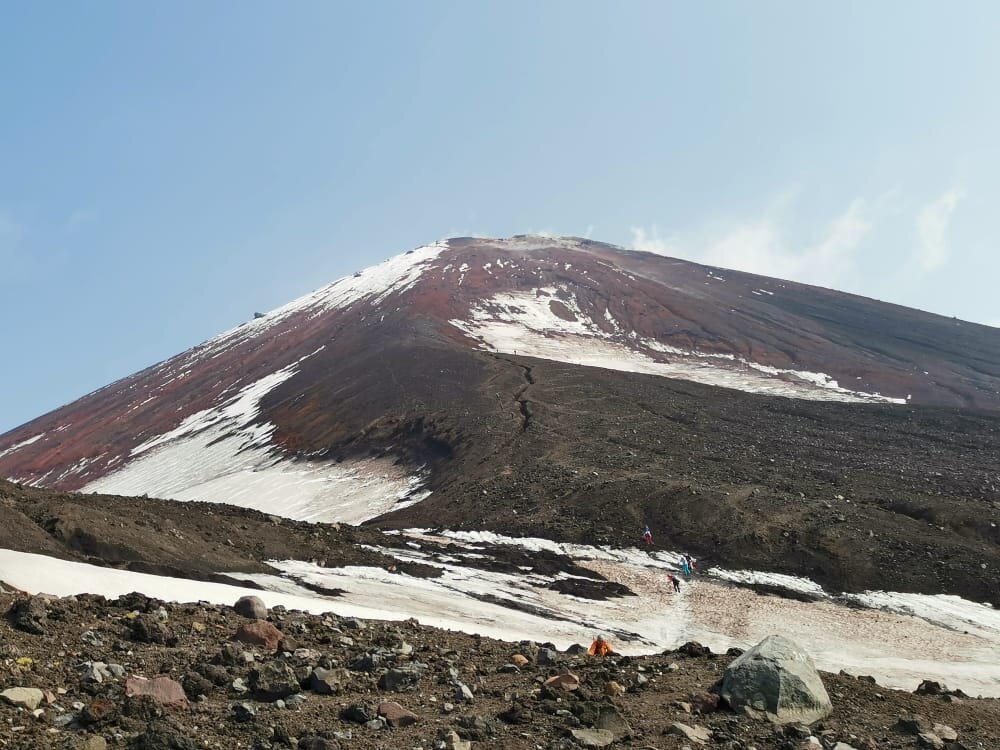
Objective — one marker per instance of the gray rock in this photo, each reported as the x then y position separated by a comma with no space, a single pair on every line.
402,679
23,697
695,734
945,732
610,718
463,693
294,701
252,607
592,737
274,680
353,624
548,656
244,712
930,740
29,615
777,680
329,681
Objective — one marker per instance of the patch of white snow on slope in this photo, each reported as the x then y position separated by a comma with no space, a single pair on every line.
222,455
23,444
374,284
524,322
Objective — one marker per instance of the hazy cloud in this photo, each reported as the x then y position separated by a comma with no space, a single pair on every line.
761,246
932,229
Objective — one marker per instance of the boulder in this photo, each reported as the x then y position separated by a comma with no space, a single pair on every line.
260,633
162,689
777,680
251,607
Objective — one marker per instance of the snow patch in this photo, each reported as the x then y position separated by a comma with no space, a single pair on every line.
524,322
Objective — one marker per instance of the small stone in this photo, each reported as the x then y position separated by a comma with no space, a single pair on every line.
449,740
613,689
930,740
29,615
463,693
244,712
353,624
274,680
395,715
162,689
294,701
565,681
592,737
251,607
94,742
260,633
519,659
317,743
329,681
945,732
548,656
698,735
23,697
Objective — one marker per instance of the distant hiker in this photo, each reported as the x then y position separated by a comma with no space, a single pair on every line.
685,568
647,535
599,647
690,562
675,582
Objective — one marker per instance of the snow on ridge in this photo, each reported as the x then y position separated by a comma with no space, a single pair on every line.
524,322
374,284
23,444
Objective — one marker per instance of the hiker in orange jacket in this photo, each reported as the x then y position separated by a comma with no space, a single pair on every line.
599,647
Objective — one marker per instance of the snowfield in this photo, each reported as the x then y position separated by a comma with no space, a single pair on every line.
900,639
224,454
525,323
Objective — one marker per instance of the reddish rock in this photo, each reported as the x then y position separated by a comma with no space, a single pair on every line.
519,659
565,681
260,633
162,689
395,715
704,702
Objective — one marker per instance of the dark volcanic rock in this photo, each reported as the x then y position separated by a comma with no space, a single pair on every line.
29,614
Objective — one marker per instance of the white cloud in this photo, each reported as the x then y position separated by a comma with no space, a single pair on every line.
932,229
761,245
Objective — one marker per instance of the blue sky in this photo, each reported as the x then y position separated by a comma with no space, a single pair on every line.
167,169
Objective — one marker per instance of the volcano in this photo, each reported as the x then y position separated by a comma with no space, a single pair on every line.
571,389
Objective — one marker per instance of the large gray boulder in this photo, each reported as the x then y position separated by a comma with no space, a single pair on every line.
777,680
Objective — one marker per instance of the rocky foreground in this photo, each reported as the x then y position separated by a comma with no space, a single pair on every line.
89,673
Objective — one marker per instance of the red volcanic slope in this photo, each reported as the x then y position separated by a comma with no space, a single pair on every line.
563,298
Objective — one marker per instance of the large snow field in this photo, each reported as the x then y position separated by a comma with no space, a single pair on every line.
906,639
